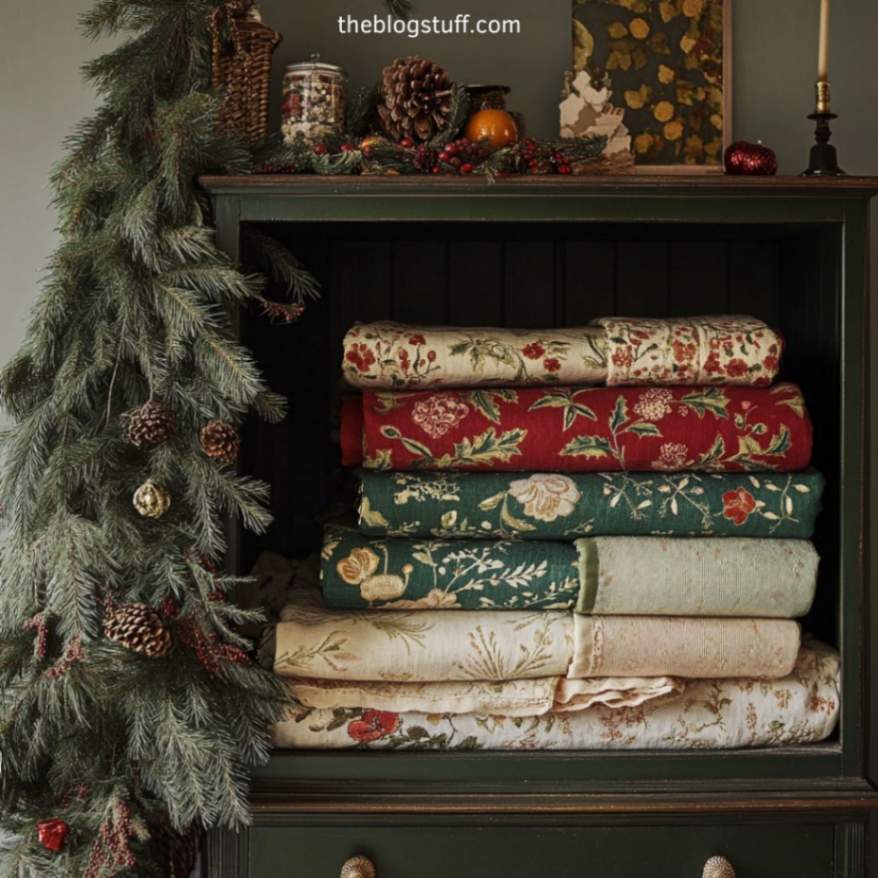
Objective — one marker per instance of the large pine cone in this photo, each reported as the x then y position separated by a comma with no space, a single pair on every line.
415,99
151,424
140,628
220,441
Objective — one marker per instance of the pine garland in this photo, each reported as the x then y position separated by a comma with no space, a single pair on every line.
115,748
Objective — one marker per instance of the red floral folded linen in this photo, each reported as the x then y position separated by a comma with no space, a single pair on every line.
563,429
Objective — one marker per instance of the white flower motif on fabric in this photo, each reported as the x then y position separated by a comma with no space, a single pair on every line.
439,414
546,496
672,456
654,404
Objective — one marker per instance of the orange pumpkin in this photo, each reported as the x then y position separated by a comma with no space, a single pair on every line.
492,128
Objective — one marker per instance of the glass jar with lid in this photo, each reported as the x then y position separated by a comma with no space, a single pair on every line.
314,96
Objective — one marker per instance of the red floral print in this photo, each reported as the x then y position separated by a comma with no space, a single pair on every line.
737,505
683,352
736,368
373,725
695,351
533,351
361,357
570,429
438,414
623,357
552,365
417,340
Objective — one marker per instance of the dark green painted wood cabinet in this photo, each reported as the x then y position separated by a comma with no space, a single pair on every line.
541,252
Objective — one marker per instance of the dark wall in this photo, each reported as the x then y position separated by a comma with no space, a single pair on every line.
774,68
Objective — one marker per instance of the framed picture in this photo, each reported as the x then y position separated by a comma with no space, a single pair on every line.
668,64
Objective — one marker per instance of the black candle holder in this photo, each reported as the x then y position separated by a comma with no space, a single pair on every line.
824,159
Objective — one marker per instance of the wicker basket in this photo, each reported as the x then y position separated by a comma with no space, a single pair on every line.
242,53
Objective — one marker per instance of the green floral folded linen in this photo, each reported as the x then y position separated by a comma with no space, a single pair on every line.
398,574
434,646
646,576
712,714
555,506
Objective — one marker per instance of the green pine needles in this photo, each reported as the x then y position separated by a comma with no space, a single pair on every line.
132,754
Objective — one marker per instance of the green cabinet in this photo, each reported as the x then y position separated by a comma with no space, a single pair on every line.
544,252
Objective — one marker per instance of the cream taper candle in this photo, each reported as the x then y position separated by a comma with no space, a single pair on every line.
823,53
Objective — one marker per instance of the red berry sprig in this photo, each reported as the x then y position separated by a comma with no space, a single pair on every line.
461,156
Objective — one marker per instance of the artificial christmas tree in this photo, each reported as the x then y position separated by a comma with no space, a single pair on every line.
108,751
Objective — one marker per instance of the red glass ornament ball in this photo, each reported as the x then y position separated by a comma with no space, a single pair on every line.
750,159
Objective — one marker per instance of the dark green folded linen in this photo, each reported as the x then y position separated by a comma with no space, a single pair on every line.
359,572
563,507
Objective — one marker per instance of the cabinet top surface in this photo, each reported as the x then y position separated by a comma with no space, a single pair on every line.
679,185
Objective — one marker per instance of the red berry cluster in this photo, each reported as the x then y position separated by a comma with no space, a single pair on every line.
208,649
461,156
38,624
540,159
111,850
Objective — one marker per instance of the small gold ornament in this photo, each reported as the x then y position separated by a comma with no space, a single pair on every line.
152,500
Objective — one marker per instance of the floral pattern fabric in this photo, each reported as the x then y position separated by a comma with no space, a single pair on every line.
710,714
670,576
565,430
650,576
698,350
558,506
614,351
358,572
426,646
482,645
387,356
505,698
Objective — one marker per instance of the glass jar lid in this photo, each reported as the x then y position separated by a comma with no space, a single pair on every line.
315,64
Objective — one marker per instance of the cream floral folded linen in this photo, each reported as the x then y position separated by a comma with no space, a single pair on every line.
506,698
694,350
385,356
421,646
482,645
711,714
614,351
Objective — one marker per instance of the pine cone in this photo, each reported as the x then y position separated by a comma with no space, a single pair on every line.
151,424
138,627
152,500
220,441
415,99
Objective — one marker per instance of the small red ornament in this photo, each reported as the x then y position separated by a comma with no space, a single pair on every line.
53,834
407,142
321,149
752,159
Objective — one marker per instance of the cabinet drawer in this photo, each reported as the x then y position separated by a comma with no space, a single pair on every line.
756,851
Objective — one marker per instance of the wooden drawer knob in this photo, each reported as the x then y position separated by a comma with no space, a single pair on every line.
358,867
718,867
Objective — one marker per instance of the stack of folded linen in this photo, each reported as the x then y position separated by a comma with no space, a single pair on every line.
650,549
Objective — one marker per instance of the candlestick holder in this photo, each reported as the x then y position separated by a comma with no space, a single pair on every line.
824,159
